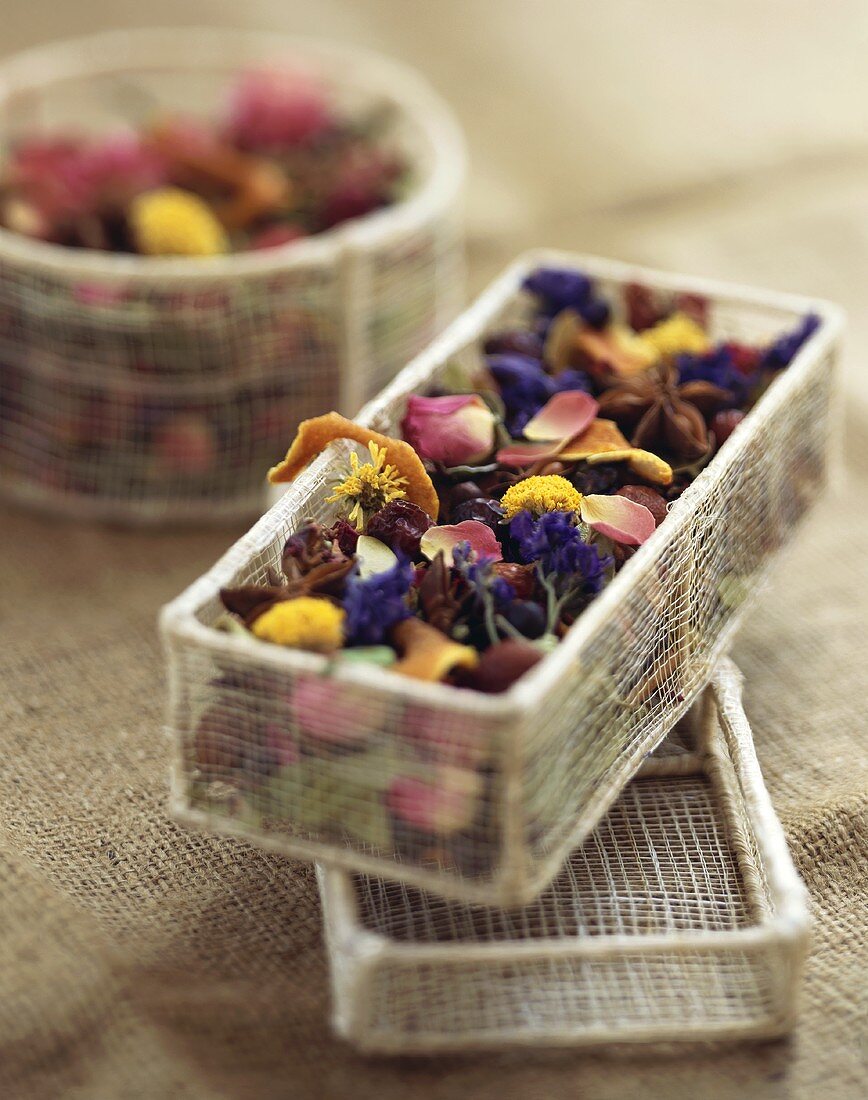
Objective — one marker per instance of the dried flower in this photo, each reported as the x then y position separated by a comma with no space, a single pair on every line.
172,222
677,334
547,493
314,435
555,541
275,109
441,805
719,368
368,486
523,385
446,539
563,288
455,430
373,606
783,350
308,622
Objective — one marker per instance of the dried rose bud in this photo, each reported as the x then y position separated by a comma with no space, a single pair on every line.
642,494
455,430
643,309
724,423
216,748
442,803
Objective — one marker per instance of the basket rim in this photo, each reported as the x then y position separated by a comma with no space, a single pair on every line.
790,922
178,617
194,47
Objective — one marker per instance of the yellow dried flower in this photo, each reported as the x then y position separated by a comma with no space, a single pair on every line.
172,222
543,493
307,622
369,486
677,335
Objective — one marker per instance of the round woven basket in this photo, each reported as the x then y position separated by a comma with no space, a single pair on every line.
139,389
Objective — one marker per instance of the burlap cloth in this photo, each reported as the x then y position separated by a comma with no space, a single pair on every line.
140,960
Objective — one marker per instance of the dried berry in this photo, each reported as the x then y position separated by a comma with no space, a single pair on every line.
648,498
483,509
521,577
600,478
500,666
723,424
464,490
400,525
527,617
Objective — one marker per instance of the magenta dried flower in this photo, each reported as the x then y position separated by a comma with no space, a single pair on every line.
276,108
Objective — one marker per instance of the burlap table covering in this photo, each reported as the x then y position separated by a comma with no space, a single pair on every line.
140,960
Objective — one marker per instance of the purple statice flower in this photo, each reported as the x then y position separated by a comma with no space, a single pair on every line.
561,288
572,379
719,368
782,352
480,575
556,543
515,342
374,605
524,388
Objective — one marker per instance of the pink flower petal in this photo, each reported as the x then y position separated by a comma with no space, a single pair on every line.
618,518
526,454
480,536
442,805
562,417
457,429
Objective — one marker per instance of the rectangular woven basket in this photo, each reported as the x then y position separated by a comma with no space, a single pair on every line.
681,919
261,731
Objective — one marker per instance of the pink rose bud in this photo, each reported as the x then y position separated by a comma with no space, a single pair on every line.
275,236
186,444
456,430
438,739
335,713
282,744
277,108
444,804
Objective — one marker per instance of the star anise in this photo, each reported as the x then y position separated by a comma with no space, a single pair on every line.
662,416
439,599
249,601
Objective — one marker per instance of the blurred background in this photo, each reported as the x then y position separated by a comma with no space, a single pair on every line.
723,139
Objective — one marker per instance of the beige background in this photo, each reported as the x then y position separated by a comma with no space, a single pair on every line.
140,961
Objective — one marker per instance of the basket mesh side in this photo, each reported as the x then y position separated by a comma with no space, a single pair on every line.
659,862
153,397
438,790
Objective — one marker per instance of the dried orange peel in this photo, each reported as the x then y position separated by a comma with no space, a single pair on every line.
427,653
314,436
